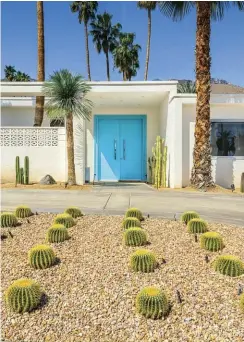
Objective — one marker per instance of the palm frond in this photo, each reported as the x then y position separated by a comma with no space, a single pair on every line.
176,10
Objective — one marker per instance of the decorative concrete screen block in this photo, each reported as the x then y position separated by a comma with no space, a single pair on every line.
29,137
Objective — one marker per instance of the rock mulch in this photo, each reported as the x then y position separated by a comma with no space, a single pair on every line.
90,293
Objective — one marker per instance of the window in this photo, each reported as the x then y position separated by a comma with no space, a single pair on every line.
227,138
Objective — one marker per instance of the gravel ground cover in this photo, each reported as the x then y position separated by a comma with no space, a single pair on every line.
91,291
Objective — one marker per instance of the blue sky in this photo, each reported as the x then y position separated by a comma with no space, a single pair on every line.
172,44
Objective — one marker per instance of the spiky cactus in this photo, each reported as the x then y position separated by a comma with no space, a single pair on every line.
8,220
212,241
57,233
242,302
130,222
228,265
65,219
143,261
151,302
197,226
17,170
135,237
189,215
26,170
23,211
134,212
23,295
41,256
74,212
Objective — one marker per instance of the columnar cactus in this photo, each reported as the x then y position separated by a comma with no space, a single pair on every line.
135,237
151,302
57,233
17,170
228,265
197,226
130,222
8,220
143,261
189,215
74,212
65,219
134,212
21,175
242,302
23,211
41,256
23,295
212,241
26,170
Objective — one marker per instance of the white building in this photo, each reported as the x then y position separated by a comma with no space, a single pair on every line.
117,141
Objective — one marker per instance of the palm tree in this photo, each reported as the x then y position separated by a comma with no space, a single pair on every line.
67,98
105,35
22,77
10,73
39,110
126,56
201,176
188,87
149,6
86,12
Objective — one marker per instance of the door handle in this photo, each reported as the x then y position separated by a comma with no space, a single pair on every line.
124,149
115,149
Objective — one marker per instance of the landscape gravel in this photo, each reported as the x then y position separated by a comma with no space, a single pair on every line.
90,292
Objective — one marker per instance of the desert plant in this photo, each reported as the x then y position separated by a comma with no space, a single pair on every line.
26,170
242,182
41,256
57,233
130,222
242,302
151,302
17,170
135,237
143,261
8,220
228,265
65,219
23,211
23,295
134,212
197,226
74,212
212,241
189,215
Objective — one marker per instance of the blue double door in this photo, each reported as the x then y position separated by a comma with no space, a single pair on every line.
120,148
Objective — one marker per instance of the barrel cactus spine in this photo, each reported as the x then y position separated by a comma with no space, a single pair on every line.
65,219
212,241
74,212
135,237
189,215
134,212
26,170
228,265
197,226
8,220
57,233
23,211
41,256
130,222
143,261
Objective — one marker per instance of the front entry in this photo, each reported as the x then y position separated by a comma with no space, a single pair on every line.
120,147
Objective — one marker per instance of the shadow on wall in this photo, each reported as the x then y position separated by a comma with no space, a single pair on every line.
224,171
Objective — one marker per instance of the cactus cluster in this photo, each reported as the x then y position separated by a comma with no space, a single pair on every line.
228,265
197,226
8,220
41,256
189,215
22,173
151,302
135,237
131,222
134,212
74,212
64,219
57,233
143,261
23,211
212,241
23,295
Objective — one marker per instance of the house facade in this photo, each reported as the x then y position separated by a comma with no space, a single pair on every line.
114,145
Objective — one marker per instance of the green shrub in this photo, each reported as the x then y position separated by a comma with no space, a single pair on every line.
242,302
189,215
197,226
151,302
23,295
229,265
212,241
134,212
130,222
8,220
135,237
23,211
41,256
74,212
143,261
65,219
57,233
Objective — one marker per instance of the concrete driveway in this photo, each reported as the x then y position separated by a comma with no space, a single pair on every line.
114,199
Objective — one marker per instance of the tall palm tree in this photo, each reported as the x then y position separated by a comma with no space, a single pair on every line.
149,6
126,56
86,12
201,176
105,35
67,98
10,73
39,110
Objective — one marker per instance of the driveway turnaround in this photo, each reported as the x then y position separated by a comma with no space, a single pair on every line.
115,198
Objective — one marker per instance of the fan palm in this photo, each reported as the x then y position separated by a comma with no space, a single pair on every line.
67,99
201,175
10,73
105,36
188,87
149,6
22,77
86,12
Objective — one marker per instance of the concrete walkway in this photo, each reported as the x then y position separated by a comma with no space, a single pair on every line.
114,199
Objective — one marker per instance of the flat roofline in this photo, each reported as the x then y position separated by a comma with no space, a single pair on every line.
102,83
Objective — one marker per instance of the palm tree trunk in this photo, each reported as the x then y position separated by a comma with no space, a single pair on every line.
201,176
148,42
107,64
70,149
39,110
87,53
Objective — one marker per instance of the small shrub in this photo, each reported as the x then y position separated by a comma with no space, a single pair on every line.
212,241
189,215
143,261
23,211
135,237
242,302
229,265
41,256
74,212
65,219
130,222
134,212
197,226
23,295
57,233
151,302
8,220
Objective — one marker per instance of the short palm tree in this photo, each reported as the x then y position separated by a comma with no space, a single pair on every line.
86,12
66,95
187,87
149,6
201,176
105,36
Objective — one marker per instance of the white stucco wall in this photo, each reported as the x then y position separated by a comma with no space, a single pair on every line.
20,116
